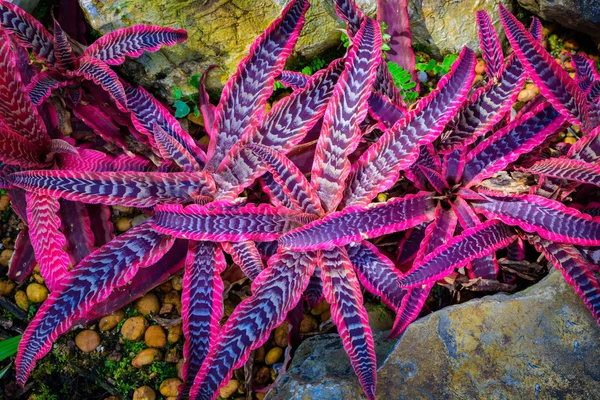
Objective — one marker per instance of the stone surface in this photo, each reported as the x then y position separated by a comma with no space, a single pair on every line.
540,343
579,15
221,31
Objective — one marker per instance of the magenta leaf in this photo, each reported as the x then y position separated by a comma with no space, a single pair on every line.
88,284
564,168
357,223
170,148
295,80
275,292
202,306
98,72
246,256
207,109
101,123
132,189
491,50
23,258
395,15
42,85
76,227
314,290
65,59
412,304
16,150
132,42
342,291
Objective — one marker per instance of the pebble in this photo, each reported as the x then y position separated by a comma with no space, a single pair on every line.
109,321
148,304
526,95
144,393
21,300
174,333
177,283
570,140
123,224
568,66
172,355
36,293
4,202
281,335
478,78
480,67
146,357
308,324
263,375
259,354
320,308
37,276
155,337
532,87
196,120
6,288
87,340
325,316
139,219
173,297
422,76
166,309
571,44
123,209
179,368
260,396
273,355
228,390
133,329
169,386
166,287
5,256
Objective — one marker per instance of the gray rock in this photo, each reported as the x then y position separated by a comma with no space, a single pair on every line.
579,15
540,343
27,5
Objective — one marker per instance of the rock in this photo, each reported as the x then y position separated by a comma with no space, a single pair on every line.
109,321
146,357
155,337
21,300
6,288
281,335
579,15
87,340
177,283
263,375
148,304
4,202
172,355
273,355
144,393
320,308
381,318
308,324
174,333
169,386
139,219
526,95
259,354
229,390
5,256
27,5
540,343
36,292
480,67
123,224
179,368
133,329
173,297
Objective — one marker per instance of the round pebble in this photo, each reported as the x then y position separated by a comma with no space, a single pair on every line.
174,333
21,300
570,140
146,357
4,202
259,354
36,292
133,329
148,304
144,393
229,390
320,308
87,340
155,337
422,76
109,321
526,95
480,67
281,335
6,288
308,324
179,368
263,376
168,387
123,224
273,355
177,283
5,256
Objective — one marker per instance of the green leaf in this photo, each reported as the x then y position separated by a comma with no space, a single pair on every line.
307,70
8,347
345,40
196,111
385,47
277,85
181,109
195,80
176,93
5,370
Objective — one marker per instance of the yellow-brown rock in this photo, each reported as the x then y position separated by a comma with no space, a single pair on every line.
169,386
480,67
4,202
172,355
273,355
21,300
308,324
6,288
148,304
133,329
281,335
320,308
229,389
259,354
179,369
146,357
173,297
87,340
177,283
36,293
144,393
123,224
110,321
5,256
174,333
155,337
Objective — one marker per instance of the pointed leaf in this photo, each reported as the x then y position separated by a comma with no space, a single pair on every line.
170,148
412,304
564,168
65,59
101,123
98,72
42,85
16,150
246,256
76,227
491,50
295,80
207,109
28,31
314,290
23,258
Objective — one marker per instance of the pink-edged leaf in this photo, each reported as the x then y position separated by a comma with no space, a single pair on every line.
98,72
427,158
147,111
207,109
88,284
42,85
379,167
100,223
170,148
357,223
294,184
554,82
246,256
76,227
485,109
202,306
28,31
275,192
536,29
506,145
275,292
564,168
575,269
314,290
377,273
550,219
131,189
410,244
453,164
250,222
491,50
587,148
295,80
94,160
284,127
16,111
516,250
439,232
102,124
593,95
16,150
18,202
385,111
244,97
340,133
23,258
342,291
585,69
473,243
132,42
65,59
395,15
435,179
412,304
47,240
